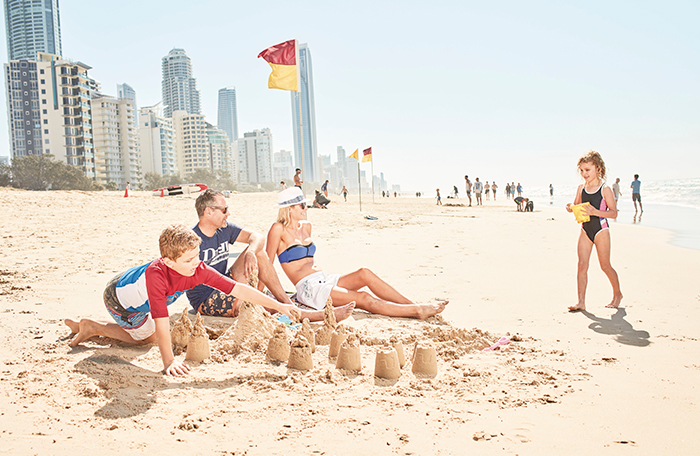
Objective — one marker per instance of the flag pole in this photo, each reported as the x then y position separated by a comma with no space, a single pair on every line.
359,185
301,120
373,180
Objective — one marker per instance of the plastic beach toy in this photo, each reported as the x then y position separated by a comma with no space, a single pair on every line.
580,218
288,322
497,345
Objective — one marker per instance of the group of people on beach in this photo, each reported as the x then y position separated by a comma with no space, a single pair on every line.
195,261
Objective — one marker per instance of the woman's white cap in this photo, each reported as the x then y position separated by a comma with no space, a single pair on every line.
290,197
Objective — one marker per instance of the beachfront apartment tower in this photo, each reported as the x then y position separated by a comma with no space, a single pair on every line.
283,167
309,163
191,143
115,138
227,119
179,87
255,157
126,91
49,107
32,26
220,152
157,142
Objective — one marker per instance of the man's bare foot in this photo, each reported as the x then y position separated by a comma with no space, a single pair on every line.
86,329
343,312
73,325
428,310
577,308
615,303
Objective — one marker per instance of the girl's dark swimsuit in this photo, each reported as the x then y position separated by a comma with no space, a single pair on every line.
297,252
596,224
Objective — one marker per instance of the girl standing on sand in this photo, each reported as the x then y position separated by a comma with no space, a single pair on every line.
289,239
594,232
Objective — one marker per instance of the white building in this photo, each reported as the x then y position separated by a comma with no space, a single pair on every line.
179,87
220,152
32,26
157,142
283,167
191,142
116,142
255,157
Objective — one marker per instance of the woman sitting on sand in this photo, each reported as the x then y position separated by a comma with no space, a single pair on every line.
290,239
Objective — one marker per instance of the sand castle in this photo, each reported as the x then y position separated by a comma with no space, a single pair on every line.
338,337
424,359
300,354
307,332
198,345
349,355
398,346
324,333
180,334
386,364
278,346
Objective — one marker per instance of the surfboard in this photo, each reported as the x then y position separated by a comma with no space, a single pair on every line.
181,189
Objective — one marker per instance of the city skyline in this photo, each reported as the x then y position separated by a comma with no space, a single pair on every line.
506,91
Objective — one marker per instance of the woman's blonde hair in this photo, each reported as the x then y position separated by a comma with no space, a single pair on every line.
284,217
593,157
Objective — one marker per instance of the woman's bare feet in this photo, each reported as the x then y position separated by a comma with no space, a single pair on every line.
343,312
428,310
615,303
578,307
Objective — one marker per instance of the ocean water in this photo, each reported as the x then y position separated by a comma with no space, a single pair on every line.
671,204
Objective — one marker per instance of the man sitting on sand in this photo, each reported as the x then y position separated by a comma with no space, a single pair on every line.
217,234
138,299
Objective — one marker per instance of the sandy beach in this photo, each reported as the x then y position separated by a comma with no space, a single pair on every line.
601,382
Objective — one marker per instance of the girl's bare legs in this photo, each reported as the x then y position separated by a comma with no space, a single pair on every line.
584,248
602,247
363,277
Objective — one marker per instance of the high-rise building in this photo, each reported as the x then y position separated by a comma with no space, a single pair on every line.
255,157
191,144
114,134
179,87
220,154
32,26
126,91
157,142
227,119
49,103
283,167
309,164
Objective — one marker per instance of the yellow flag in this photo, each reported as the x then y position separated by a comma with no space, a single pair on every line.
354,155
367,155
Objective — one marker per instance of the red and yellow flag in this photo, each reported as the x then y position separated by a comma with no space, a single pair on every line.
367,155
354,155
283,60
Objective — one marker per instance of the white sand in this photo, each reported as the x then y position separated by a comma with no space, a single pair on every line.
604,383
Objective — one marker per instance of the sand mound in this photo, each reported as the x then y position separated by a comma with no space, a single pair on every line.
250,332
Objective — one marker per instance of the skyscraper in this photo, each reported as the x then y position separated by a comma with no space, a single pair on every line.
32,26
115,139
228,113
157,142
179,87
255,157
126,91
308,115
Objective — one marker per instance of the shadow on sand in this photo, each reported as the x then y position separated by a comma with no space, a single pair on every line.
617,326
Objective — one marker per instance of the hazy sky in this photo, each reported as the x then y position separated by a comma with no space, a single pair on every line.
503,90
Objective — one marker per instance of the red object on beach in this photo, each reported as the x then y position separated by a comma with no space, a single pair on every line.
126,192
161,193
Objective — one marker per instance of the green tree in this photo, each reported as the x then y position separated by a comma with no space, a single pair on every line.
5,175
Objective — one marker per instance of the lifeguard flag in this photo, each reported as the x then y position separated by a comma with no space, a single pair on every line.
283,60
367,155
354,155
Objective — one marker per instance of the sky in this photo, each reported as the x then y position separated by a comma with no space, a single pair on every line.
502,90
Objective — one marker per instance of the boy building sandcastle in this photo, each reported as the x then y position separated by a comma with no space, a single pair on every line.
138,299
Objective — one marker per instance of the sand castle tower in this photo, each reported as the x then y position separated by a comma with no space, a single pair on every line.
307,332
424,359
398,346
180,334
386,364
324,333
349,355
198,345
300,354
338,337
278,347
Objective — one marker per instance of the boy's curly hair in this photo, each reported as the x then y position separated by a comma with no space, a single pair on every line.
176,240
593,157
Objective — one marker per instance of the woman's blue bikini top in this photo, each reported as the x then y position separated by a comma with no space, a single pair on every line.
297,252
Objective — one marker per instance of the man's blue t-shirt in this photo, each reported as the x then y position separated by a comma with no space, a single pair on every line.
636,184
213,251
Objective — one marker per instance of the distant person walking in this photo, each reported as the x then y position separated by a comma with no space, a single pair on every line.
487,190
455,188
520,190
439,200
324,188
126,190
297,178
551,190
636,196
616,189
468,185
494,187
478,189
512,189
344,191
